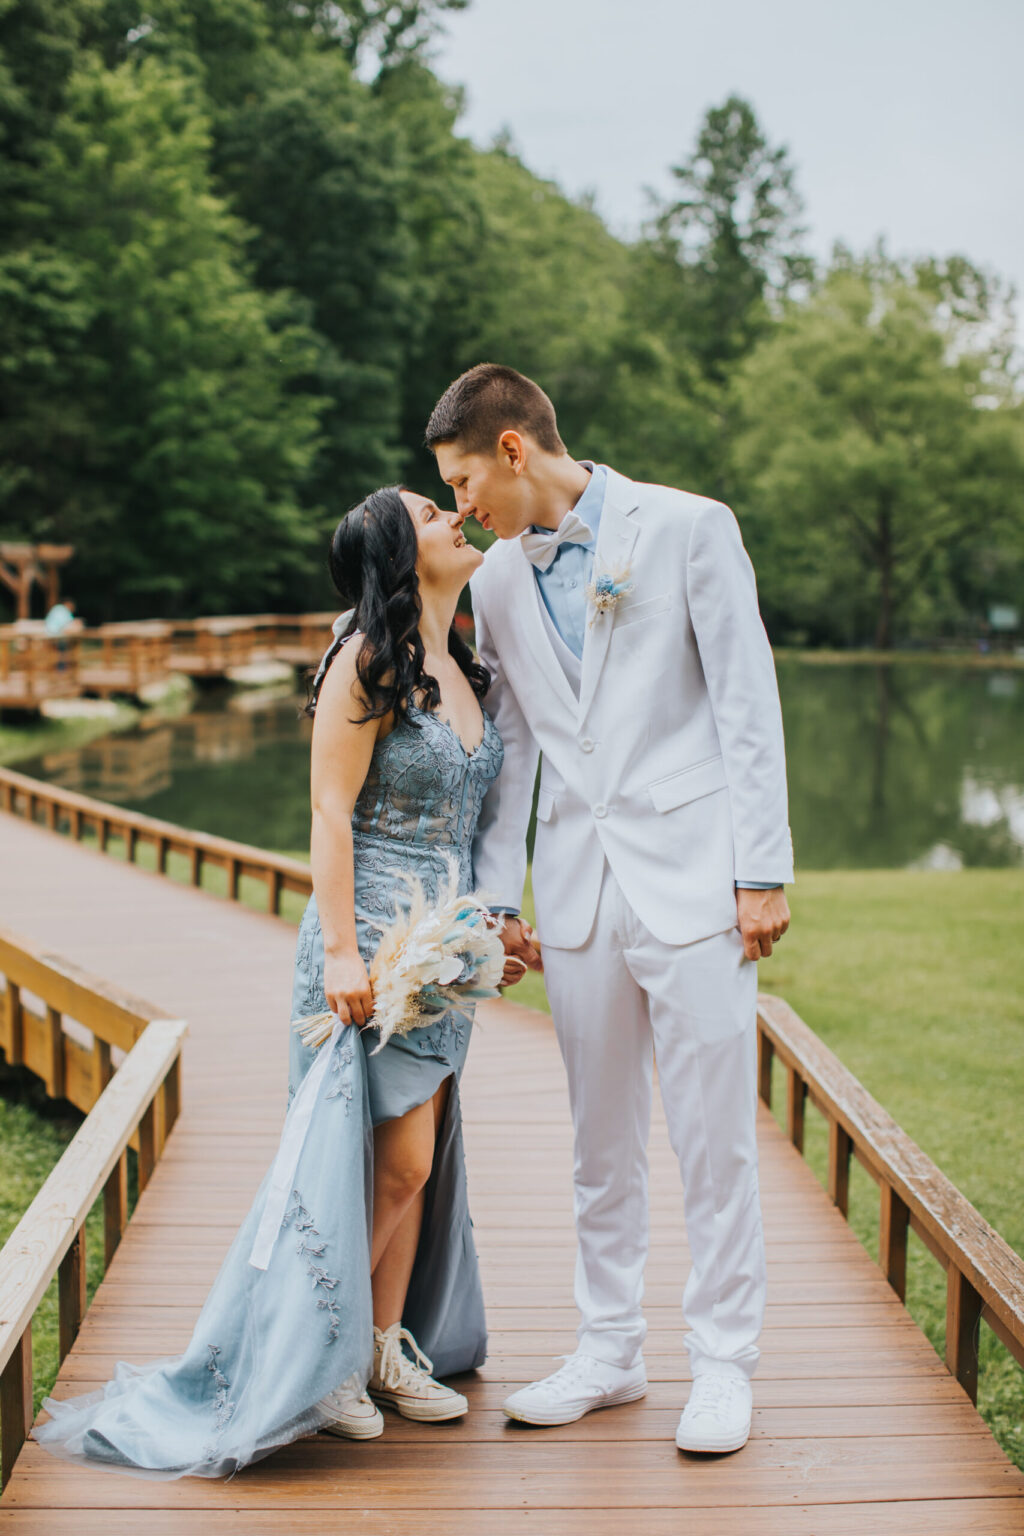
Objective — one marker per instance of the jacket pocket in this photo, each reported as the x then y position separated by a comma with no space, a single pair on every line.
689,784
632,613
545,804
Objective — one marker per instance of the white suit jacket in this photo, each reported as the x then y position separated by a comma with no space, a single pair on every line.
670,763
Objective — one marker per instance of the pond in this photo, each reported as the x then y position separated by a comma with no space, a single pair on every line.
911,764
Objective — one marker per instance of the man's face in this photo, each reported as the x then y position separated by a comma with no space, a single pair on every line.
489,487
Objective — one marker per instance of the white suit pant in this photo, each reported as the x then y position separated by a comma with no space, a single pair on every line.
618,1002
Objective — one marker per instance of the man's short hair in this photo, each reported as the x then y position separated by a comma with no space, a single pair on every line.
490,400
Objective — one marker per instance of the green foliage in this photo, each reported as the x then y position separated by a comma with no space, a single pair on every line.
160,431
245,249
871,445
728,248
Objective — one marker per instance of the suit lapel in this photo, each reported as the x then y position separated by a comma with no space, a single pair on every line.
615,540
526,600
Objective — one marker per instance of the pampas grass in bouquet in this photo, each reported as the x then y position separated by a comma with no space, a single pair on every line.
439,955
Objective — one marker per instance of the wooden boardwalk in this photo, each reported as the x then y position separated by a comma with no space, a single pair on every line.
858,1428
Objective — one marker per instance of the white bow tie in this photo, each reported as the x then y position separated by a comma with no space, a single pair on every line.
541,548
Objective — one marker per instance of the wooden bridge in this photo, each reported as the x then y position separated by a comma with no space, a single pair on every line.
128,658
860,1429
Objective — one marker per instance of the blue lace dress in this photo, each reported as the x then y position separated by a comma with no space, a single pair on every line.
271,1341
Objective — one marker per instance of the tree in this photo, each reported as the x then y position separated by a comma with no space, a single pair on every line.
389,32
162,437
727,250
872,449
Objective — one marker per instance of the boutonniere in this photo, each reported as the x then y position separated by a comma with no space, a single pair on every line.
605,591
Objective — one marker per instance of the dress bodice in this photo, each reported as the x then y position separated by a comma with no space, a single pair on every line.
423,788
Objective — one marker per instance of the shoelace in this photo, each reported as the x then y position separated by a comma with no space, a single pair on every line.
576,1367
395,1365
711,1394
342,1400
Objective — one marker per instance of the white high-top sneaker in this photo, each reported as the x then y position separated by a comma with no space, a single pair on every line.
717,1416
408,1385
576,1388
353,1418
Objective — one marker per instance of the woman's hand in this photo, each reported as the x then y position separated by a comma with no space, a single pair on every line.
347,987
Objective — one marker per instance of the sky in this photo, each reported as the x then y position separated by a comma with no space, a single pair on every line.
904,119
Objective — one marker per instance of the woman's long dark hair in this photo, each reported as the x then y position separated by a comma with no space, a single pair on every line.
373,566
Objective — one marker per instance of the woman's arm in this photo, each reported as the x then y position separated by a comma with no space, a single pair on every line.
340,762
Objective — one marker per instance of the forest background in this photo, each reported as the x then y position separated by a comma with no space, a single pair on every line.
243,248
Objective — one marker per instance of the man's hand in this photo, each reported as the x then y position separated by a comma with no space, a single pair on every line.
763,919
520,943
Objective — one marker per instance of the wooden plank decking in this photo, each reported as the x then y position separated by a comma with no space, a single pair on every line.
858,1427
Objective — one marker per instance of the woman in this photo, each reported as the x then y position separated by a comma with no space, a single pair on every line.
355,1265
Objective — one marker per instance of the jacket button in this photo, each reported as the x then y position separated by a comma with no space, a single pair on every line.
600,810
586,745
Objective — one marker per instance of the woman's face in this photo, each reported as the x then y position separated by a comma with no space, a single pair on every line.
446,558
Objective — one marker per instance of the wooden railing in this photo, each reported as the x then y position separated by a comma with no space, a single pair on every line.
63,810
137,1103
124,658
984,1276
213,647
34,667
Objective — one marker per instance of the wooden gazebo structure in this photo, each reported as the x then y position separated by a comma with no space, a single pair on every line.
22,565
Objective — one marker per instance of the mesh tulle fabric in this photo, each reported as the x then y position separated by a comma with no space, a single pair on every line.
269,1344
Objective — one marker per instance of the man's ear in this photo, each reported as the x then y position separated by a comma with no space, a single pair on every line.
512,451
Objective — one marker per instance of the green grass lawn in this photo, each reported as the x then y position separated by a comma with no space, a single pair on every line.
912,979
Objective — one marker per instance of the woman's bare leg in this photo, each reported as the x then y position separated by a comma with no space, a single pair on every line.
403,1155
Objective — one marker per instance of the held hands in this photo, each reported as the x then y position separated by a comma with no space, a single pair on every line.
347,987
763,918
522,950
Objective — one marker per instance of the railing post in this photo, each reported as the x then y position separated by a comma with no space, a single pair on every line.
234,875
765,1055
102,1071
15,1403
274,884
796,1098
839,1149
963,1319
147,1145
171,1092
71,1292
115,1206
893,1227
15,1047
55,1054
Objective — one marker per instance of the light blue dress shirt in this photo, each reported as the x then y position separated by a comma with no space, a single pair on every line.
563,588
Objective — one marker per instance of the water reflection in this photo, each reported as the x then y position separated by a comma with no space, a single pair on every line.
901,765
892,766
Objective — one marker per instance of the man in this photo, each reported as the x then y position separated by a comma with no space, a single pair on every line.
620,624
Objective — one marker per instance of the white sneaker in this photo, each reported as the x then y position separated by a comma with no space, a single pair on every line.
717,1416
578,1386
353,1418
407,1385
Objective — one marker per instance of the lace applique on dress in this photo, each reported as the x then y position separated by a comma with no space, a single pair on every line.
344,1055
223,1407
322,1280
